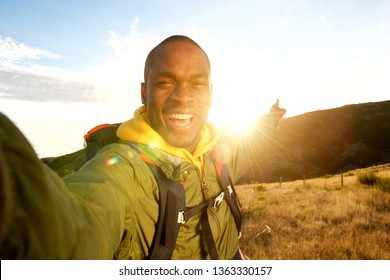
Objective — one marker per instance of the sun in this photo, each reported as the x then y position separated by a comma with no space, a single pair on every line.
237,123
234,116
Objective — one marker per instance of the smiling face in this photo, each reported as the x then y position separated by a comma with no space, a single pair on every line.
177,93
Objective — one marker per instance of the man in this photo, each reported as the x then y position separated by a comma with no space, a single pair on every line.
110,207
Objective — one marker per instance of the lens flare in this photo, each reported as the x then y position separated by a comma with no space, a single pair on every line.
112,161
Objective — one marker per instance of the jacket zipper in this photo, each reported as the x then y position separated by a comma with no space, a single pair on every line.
205,192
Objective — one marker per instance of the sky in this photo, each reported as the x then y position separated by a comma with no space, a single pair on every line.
67,66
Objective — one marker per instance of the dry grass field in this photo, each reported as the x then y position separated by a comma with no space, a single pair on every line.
330,218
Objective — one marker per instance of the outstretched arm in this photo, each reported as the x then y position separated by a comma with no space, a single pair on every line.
40,217
242,152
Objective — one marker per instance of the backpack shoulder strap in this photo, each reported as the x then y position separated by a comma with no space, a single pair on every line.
172,202
226,184
171,205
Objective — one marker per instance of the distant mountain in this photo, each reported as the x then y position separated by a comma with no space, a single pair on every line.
311,145
326,142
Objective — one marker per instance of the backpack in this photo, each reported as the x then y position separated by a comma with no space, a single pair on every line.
98,137
172,210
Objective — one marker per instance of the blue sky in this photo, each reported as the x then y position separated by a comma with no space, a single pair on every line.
66,66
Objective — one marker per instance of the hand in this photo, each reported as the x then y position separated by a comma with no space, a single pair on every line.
276,111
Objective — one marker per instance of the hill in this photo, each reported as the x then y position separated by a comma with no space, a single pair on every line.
326,142
66,164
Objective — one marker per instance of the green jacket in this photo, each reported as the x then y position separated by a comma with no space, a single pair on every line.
108,209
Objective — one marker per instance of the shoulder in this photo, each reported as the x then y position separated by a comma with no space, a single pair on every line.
115,162
116,168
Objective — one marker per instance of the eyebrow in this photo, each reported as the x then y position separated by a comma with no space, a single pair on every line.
164,75
199,76
172,75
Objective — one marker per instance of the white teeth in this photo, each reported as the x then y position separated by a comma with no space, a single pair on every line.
181,119
180,116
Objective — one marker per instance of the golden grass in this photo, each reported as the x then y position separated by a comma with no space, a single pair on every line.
319,219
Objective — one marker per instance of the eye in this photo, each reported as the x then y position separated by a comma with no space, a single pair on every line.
165,83
199,83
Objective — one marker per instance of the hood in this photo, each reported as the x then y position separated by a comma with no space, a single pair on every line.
138,130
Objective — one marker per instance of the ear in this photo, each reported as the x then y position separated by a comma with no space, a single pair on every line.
143,93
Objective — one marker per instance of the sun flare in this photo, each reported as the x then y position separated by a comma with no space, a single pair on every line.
234,117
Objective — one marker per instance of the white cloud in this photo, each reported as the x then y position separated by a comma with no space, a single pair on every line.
23,78
16,52
26,85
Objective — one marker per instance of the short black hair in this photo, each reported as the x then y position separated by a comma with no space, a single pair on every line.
174,38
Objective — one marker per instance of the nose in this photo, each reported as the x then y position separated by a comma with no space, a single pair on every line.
183,94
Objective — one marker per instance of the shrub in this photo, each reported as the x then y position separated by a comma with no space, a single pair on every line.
372,179
260,188
384,184
369,178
